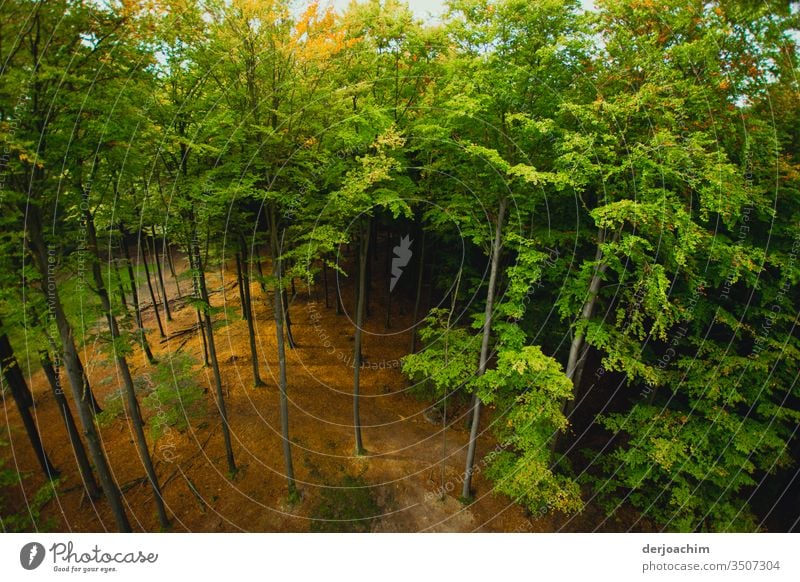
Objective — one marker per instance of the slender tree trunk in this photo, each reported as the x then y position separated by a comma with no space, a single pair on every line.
212,353
24,401
325,283
240,285
84,466
466,491
150,284
127,380
87,394
363,256
279,314
260,268
418,295
71,362
135,297
388,271
578,348
121,287
170,261
247,304
339,303
157,261
368,273
288,320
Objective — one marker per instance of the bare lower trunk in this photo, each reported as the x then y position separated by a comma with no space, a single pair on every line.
288,320
127,380
205,317
240,286
249,315
142,336
363,255
578,348
387,324
466,492
160,273
418,295
71,363
279,311
84,467
171,262
325,282
24,401
150,284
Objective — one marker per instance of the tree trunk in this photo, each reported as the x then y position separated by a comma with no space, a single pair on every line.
260,268
84,467
168,252
388,271
466,492
205,317
150,283
135,297
325,283
24,401
121,287
87,394
240,286
157,261
247,305
71,362
288,320
418,296
127,380
363,255
279,312
339,303
578,348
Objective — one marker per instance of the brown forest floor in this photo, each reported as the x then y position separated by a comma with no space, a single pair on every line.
403,465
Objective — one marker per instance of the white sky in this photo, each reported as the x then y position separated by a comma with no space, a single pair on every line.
424,9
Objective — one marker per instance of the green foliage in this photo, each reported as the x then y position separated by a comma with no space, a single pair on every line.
527,388
347,507
176,399
30,519
113,408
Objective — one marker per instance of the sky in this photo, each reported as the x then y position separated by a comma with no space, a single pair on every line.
425,9
422,8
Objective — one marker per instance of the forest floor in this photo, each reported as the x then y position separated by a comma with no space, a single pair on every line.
395,487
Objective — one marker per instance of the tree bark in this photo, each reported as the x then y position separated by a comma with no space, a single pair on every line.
127,380
197,267
388,272
240,286
157,261
466,491
24,401
288,319
363,256
84,466
170,261
247,305
150,283
72,365
578,348
418,296
135,297
279,312
325,283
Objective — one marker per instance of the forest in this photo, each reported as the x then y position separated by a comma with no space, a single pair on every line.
282,267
